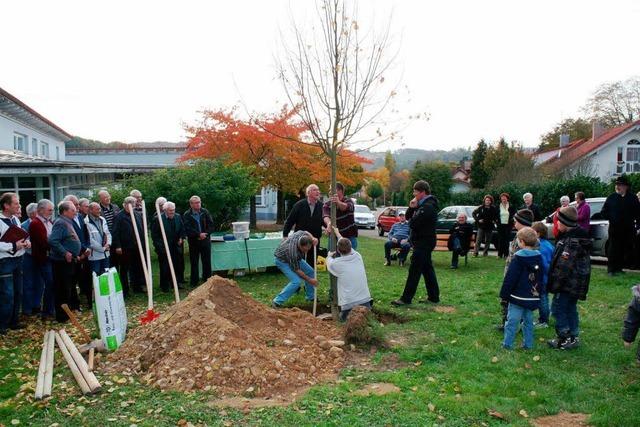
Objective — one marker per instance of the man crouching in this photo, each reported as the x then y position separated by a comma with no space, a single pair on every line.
348,267
290,259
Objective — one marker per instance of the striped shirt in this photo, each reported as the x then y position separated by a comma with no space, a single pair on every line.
345,220
289,251
109,213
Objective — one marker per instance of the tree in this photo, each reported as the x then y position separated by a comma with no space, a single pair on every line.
479,174
389,162
335,77
576,129
519,169
374,190
614,104
437,174
497,156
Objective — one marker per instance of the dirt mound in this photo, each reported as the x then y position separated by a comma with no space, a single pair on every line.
222,340
563,419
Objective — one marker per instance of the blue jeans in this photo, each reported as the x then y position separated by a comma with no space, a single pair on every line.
10,291
99,266
544,308
44,275
295,281
345,313
516,314
354,243
404,250
31,286
565,310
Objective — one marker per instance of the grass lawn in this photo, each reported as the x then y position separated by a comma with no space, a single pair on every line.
454,371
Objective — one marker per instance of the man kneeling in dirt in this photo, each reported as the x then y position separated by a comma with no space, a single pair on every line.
348,267
290,259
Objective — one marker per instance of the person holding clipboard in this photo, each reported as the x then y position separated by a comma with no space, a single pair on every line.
13,242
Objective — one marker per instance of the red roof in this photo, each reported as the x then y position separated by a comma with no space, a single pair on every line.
581,147
5,94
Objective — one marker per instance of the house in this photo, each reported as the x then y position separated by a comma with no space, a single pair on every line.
33,160
461,177
606,154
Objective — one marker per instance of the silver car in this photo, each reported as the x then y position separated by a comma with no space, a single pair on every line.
364,218
598,226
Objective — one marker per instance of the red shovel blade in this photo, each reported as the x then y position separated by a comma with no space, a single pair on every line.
149,317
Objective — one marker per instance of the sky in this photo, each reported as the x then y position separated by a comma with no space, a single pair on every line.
139,70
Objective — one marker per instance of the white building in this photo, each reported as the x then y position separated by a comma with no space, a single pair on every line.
607,154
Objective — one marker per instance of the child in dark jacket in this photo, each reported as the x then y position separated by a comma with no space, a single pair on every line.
632,321
569,277
546,250
522,287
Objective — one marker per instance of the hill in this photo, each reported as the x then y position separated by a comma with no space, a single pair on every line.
406,158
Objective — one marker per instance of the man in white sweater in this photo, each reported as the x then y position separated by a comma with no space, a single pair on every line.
348,267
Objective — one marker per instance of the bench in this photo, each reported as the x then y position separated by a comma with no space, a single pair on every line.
441,245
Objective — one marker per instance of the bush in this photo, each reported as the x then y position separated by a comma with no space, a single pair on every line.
546,194
224,189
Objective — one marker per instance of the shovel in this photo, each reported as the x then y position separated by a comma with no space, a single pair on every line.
150,314
168,252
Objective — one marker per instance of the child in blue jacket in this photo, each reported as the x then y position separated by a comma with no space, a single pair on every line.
522,287
546,250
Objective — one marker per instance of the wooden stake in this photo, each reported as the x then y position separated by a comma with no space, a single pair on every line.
42,367
76,323
315,276
91,359
89,377
141,253
82,383
146,242
48,373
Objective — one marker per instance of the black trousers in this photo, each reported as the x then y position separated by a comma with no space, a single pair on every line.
177,259
84,280
504,235
199,250
63,287
620,245
131,271
421,265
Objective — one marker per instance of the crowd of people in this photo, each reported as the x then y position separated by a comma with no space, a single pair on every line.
47,261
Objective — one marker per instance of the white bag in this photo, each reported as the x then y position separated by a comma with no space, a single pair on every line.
109,308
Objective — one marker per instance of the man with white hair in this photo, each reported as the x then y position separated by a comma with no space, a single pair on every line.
125,244
198,226
306,215
460,239
528,204
137,195
81,278
174,230
27,268
564,202
99,239
39,232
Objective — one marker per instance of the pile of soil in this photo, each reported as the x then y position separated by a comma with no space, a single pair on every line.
221,340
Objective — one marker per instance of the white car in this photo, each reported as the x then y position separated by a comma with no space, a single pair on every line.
364,217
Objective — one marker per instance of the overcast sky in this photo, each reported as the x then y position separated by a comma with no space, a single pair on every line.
137,70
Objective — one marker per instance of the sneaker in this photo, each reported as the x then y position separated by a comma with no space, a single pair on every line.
401,263
453,267
275,305
399,303
569,343
540,325
387,263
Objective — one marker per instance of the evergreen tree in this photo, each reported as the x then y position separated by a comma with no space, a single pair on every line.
479,174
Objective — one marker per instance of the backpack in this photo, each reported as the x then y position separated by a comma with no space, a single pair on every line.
570,270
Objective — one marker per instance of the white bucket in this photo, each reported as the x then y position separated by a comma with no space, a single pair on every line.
241,235
240,227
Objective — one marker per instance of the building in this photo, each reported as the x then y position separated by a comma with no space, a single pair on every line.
607,154
461,177
33,161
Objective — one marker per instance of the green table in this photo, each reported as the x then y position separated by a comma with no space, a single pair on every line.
232,255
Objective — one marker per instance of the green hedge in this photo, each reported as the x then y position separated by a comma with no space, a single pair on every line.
546,194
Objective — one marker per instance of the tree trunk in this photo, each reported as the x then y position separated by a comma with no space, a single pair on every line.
280,207
252,212
332,239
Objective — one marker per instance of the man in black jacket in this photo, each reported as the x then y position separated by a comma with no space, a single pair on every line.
174,231
622,209
460,239
306,215
198,226
422,215
124,244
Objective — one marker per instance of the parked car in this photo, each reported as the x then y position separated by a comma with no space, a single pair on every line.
448,216
388,217
364,218
598,227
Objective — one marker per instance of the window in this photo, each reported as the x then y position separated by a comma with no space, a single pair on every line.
633,156
34,147
44,150
57,153
619,161
20,142
260,198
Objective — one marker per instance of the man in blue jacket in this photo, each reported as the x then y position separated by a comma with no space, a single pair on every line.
398,238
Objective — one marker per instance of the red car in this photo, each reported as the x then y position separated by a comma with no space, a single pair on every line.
388,217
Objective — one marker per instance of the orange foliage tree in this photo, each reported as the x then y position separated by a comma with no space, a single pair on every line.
269,143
